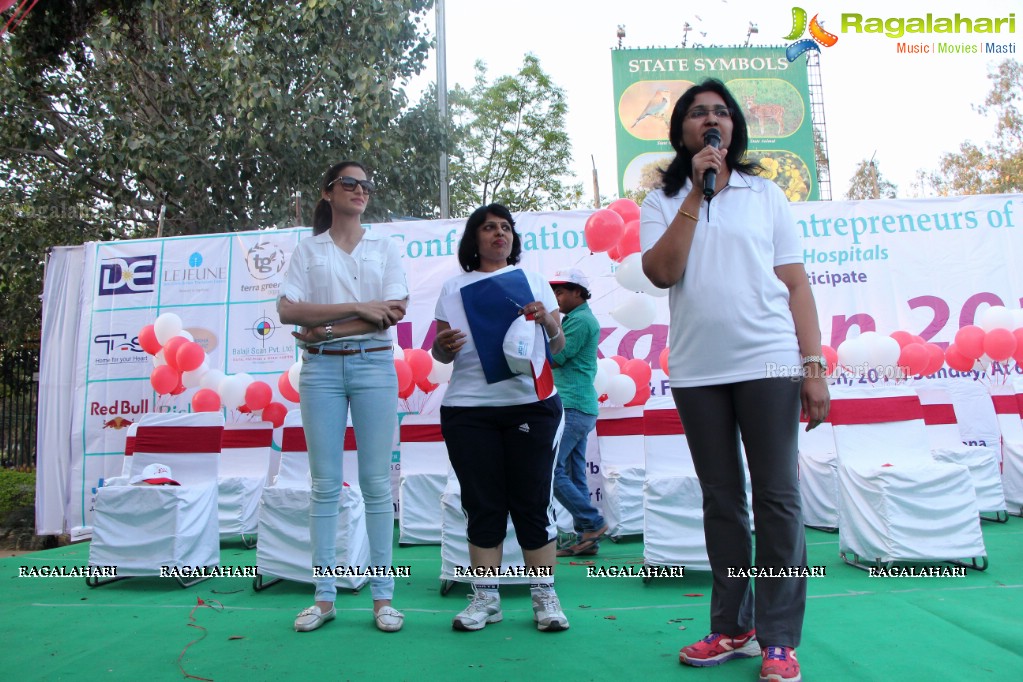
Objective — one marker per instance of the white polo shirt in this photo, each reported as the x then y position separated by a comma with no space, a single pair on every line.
730,317
320,272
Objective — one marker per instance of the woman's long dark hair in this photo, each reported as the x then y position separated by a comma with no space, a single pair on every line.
681,168
323,216
468,246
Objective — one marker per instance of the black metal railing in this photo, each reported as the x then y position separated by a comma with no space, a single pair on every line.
19,396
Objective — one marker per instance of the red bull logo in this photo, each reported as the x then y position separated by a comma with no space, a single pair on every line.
117,408
117,423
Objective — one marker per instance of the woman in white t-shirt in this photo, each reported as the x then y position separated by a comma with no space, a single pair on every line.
346,287
500,436
745,359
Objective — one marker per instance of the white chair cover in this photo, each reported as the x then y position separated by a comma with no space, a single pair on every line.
140,528
424,474
244,463
818,476
896,502
285,549
622,469
1007,409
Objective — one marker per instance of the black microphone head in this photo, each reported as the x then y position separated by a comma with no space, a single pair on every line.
712,138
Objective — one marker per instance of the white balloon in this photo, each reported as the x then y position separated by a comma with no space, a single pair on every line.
192,379
983,363
1017,318
601,378
245,378
636,312
440,373
609,366
166,327
996,317
184,333
294,372
621,389
854,354
655,291
232,391
884,353
211,379
630,274
159,359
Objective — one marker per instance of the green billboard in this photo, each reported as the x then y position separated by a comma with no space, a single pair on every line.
773,94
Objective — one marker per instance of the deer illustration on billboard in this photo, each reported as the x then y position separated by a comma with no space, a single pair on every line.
765,112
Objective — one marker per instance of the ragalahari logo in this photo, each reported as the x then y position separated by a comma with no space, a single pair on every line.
817,35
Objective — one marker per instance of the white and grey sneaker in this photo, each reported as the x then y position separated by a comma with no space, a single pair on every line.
482,609
547,612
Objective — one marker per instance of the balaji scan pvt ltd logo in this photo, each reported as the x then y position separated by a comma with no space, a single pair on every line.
818,36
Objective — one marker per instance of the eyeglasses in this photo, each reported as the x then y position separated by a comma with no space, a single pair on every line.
697,113
348,184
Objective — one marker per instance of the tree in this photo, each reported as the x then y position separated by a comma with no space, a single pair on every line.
995,167
510,143
868,183
215,111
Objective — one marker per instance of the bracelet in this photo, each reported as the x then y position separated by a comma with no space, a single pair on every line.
551,338
687,214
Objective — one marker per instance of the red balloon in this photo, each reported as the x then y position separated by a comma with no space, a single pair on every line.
831,357
935,359
662,360
969,341
639,370
147,339
258,395
620,360
642,395
405,378
179,389
914,359
956,360
285,387
170,350
1018,355
603,230
425,385
999,344
615,253
206,400
407,391
629,243
420,362
919,339
902,337
602,398
164,379
190,356
244,409
626,208
275,413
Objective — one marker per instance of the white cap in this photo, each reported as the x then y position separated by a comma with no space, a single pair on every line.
571,276
155,474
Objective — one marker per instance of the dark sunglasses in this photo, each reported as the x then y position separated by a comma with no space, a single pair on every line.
348,184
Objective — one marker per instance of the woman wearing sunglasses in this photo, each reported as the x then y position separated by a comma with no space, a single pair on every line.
346,288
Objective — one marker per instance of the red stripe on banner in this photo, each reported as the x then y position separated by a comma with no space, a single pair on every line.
630,426
129,446
293,440
662,423
1005,404
939,414
421,433
849,411
247,438
171,440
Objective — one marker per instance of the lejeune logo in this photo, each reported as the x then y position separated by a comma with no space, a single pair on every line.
117,348
818,36
127,275
195,273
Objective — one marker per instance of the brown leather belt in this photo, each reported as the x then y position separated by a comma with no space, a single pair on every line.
352,351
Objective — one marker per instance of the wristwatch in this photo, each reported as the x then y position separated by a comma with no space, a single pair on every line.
328,330
816,360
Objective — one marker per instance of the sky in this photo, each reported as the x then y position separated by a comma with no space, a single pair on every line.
905,110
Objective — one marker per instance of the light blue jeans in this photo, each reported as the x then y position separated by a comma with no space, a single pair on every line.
570,486
329,386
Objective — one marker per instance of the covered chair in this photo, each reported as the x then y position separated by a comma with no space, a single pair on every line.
424,474
244,464
897,503
622,464
818,477
1006,402
153,530
284,551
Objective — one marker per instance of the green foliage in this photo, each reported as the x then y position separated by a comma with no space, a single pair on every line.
868,183
995,167
511,144
17,490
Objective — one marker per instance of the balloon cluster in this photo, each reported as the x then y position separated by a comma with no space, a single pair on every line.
417,369
621,381
997,336
180,364
896,356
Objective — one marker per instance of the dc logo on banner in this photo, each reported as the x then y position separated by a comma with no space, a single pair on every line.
135,275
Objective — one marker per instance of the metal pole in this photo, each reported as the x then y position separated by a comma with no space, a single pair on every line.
442,105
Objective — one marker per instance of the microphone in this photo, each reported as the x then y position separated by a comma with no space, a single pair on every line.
712,138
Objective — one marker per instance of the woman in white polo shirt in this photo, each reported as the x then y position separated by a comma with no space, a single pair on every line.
346,287
745,359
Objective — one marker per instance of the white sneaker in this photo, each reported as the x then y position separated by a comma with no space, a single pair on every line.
547,612
482,609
